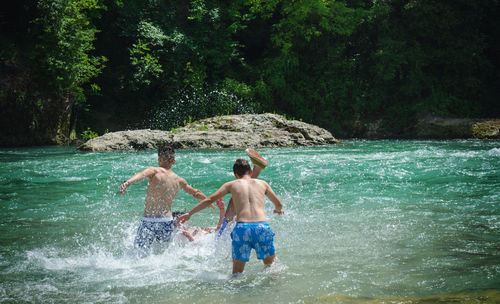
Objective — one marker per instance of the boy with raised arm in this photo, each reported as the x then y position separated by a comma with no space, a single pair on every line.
252,229
163,185
259,164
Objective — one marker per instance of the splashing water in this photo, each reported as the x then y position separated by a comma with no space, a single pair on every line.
195,105
380,221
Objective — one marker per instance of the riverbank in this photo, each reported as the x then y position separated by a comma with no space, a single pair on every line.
271,130
430,127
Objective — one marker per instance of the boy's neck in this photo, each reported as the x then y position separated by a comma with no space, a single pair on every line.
166,166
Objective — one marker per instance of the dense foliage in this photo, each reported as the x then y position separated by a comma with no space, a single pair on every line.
45,62
115,64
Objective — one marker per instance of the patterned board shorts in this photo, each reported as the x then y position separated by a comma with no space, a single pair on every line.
256,235
154,228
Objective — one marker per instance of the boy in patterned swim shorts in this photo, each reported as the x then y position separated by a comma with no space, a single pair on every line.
163,185
252,229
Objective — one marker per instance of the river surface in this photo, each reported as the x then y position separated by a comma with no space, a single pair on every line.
364,222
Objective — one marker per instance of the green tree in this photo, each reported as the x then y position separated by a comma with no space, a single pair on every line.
308,69
427,57
46,74
181,61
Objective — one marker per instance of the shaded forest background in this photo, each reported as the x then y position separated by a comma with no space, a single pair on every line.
70,65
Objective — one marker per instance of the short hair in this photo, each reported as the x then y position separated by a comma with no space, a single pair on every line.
241,167
167,153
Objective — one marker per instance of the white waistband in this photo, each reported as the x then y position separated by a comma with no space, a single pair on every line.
157,218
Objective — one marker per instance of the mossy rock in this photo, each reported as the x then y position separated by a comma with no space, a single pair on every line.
489,129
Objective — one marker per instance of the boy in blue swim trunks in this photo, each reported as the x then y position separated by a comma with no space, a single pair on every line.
163,185
259,163
252,229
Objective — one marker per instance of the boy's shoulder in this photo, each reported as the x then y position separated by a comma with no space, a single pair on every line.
258,180
154,168
165,172
253,181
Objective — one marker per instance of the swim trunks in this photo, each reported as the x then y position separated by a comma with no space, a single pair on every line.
159,228
256,235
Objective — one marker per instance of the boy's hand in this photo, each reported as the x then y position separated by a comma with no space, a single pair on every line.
183,218
278,211
123,187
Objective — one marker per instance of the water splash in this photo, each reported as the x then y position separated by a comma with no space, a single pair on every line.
196,105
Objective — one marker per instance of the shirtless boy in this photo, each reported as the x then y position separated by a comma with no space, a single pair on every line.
252,229
163,185
259,164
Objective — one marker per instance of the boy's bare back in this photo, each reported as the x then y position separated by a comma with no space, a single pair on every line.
249,198
163,186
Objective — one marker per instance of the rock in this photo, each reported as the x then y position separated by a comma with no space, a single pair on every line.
488,129
222,132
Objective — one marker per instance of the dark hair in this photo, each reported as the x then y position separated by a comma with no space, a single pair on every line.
241,167
167,153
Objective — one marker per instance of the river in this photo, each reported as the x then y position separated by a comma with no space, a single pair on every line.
365,222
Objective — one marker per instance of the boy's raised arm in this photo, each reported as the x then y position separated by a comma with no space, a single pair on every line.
148,172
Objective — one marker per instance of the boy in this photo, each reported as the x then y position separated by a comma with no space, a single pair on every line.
163,185
260,163
251,230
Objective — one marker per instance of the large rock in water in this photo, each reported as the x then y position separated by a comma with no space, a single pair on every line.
221,132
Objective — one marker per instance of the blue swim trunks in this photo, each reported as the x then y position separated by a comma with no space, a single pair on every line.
154,228
257,235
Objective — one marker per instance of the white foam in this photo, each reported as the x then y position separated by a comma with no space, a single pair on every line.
204,160
494,152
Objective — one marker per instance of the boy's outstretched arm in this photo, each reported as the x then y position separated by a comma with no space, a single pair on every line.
278,205
196,193
205,203
148,172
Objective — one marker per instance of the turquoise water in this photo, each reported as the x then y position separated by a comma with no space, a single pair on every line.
365,221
